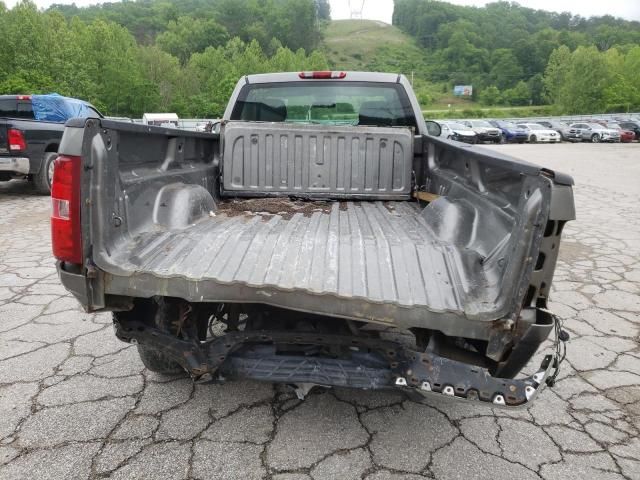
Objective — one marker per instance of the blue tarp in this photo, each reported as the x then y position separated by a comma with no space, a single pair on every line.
56,108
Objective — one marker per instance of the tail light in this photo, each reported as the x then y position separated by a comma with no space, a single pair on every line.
325,75
16,140
66,234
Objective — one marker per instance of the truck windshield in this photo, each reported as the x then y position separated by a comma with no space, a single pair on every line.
326,103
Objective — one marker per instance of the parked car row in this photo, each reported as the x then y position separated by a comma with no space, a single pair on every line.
547,131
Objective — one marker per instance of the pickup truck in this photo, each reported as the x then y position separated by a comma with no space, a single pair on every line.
325,236
30,131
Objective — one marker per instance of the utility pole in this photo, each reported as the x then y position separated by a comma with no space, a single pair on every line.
356,9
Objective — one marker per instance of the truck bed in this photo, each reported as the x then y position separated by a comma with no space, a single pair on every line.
382,252
160,220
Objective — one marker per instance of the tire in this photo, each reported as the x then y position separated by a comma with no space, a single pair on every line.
157,362
503,139
533,139
449,137
160,315
42,180
595,138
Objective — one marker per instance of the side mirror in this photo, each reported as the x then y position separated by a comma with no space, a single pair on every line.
433,128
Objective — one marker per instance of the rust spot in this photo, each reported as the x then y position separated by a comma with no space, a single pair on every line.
267,207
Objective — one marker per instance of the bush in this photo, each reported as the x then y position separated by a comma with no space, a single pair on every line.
490,96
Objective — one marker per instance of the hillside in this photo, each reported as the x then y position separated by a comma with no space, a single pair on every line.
370,45
355,44
519,56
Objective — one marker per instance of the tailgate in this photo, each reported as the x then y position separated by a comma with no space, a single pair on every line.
316,161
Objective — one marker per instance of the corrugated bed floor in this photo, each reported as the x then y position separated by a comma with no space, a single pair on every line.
382,251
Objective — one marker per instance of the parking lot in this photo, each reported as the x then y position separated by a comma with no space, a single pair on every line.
75,403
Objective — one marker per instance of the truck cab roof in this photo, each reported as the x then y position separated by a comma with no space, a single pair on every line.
374,77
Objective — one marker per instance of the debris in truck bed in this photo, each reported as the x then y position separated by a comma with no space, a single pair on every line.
283,206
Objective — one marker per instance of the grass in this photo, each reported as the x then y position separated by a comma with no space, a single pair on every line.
354,44
368,45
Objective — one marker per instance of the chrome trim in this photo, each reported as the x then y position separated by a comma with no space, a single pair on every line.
14,164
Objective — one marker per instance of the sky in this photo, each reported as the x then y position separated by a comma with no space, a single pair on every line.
383,9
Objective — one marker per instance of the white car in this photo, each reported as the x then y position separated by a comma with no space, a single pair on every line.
538,133
458,131
596,133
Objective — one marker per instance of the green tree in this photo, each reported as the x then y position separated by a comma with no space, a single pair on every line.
587,77
490,96
162,72
506,70
536,87
324,9
519,95
623,90
188,35
555,75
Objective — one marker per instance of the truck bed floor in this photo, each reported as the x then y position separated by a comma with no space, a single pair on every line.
382,252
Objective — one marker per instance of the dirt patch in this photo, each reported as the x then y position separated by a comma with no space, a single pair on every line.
285,207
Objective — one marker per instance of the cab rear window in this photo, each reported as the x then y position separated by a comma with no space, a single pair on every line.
326,103
14,108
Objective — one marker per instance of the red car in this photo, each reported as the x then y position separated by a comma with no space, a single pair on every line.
626,136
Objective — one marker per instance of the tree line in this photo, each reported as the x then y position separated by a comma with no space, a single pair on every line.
183,56
520,56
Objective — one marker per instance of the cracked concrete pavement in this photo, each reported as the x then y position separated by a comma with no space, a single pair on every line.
76,404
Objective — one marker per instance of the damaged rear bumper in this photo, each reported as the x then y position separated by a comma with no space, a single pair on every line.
372,364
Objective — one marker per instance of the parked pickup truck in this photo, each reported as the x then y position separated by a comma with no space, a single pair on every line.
326,236
30,131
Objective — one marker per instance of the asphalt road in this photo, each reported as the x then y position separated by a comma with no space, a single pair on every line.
76,404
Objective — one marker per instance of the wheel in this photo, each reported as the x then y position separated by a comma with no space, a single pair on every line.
157,362
503,139
42,180
595,138
533,139
160,314
449,137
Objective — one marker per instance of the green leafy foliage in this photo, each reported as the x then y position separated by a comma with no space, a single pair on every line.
516,56
185,56
187,35
167,62
588,80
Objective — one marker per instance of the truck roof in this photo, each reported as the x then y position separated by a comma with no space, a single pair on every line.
350,77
